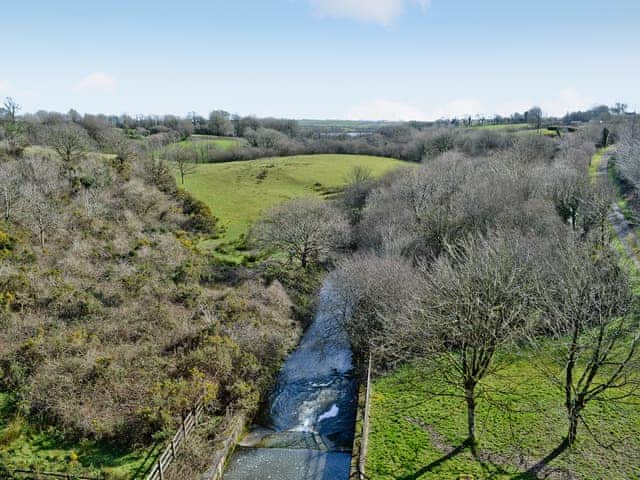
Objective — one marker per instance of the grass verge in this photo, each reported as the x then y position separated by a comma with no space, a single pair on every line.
23,446
416,435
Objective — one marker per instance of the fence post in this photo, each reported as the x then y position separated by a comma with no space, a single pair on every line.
173,449
160,468
364,441
184,428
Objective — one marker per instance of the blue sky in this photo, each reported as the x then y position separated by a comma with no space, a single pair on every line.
361,59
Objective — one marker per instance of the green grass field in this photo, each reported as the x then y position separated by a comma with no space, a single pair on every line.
412,431
512,127
517,128
204,148
225,143
238,192
25,447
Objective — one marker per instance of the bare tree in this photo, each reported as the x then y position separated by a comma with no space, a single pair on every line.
116,142
619,108
568,186
306,229
359,183
534,117
477,299
69,140
9,187
40,181
627,157
182,159
596,336
10,108
594,210
358,175
122,147
372,290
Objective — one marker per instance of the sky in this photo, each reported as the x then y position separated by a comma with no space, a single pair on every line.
337,59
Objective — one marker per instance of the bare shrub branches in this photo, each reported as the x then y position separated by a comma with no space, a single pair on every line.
69,140
478,298
595,335
308,230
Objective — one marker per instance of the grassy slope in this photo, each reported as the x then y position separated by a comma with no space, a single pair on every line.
25,447
225,143
530,420
238,192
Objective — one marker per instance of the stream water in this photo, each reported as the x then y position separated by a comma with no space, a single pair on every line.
309,425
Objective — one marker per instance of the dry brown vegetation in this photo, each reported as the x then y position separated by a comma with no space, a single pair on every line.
113,323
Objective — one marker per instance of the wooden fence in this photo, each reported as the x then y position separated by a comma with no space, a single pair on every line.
234,428
169,454
361,437
189,423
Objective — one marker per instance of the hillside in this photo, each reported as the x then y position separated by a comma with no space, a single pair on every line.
237,192
113,323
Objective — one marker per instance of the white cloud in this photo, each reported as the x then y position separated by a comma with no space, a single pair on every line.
385,110
568,100
97,81
382,12
460,107
400,111
4,86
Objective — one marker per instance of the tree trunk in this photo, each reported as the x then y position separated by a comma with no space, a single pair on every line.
471,413
573,427
570,400
7,206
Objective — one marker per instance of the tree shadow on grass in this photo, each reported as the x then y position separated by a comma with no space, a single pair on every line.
456,451
543,464
531,473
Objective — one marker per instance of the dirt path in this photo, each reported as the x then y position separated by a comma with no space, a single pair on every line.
623,229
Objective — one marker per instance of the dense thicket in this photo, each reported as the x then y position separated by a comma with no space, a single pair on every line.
112,322
489,245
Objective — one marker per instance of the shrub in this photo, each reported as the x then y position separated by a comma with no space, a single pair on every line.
200,219
69,303
7,244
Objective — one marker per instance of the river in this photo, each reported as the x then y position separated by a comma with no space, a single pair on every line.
310,420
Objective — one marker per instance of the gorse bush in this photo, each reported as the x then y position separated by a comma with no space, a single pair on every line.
111,328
